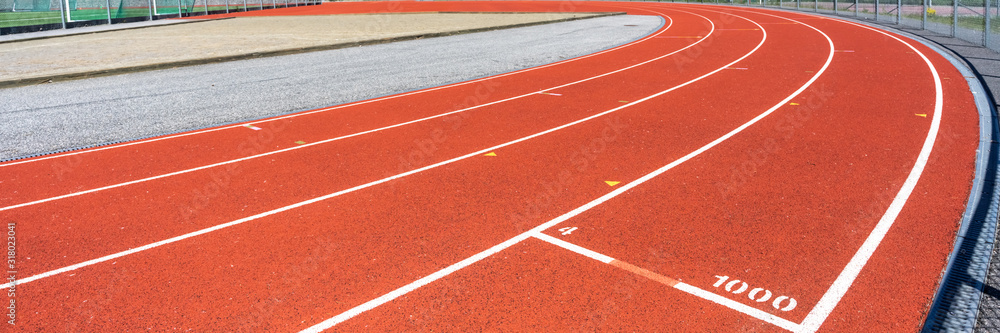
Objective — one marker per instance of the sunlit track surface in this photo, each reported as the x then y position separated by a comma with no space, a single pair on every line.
737,170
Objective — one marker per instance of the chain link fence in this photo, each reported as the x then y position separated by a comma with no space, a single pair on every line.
18,16
972,20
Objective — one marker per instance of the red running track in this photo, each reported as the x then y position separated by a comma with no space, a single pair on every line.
738,169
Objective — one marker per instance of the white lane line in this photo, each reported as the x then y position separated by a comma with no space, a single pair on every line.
414,285
517,239
260,121
814,320
832,297
695,291
575,248
743,308
349,190
69,195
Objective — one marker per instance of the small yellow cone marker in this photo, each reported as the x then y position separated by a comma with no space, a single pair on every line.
611,183
922,114
793,103
490,154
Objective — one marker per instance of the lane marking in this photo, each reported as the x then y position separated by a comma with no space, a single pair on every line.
175,173
575,248
320,110
743,308
255,128
846,278
567,230
300,142
836,292
644,273
517,239
548,93
692,290
362,186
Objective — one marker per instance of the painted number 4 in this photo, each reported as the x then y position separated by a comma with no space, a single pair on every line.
567,230
758,295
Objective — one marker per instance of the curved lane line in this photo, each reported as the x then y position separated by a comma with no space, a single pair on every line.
326,324
175,173
846,278
825,306
356,188
330,108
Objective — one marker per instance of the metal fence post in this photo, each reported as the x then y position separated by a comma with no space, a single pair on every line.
899,11
63,13
923,18
109,10
986,31
954,18
179,13
876,10
150,4
856,8
836,11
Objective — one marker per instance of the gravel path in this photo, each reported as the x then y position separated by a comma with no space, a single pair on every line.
65,115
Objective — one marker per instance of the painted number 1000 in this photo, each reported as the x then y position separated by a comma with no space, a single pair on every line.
759,295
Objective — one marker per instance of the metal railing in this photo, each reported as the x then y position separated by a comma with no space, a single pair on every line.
18,16
975,21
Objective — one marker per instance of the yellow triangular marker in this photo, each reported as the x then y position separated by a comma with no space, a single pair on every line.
490,154
793,103
611,183
921,114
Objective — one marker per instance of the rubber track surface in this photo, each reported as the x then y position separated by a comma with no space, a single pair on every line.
781,206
